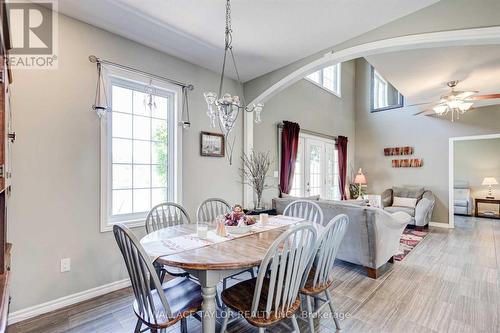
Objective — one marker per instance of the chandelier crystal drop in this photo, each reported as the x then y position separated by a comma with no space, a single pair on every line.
223,109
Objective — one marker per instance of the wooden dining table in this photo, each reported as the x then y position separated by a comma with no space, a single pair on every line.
212,263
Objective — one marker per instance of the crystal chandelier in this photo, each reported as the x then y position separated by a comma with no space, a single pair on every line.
224,108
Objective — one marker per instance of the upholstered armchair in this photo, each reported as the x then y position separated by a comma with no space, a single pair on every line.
416,201
462,200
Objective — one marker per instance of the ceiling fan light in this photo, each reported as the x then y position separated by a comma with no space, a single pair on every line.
454,104
440,109
465,106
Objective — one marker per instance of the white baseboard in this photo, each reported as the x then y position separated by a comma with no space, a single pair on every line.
440,225
59,303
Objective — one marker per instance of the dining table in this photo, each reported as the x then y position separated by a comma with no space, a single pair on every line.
215,257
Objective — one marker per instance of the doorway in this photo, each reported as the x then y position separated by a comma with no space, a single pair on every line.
474,168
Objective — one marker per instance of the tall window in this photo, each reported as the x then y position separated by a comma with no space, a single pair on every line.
384,95
316,168
328,78
139,151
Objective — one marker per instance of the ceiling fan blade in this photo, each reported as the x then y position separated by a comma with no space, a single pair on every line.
481,97
416,104
426,112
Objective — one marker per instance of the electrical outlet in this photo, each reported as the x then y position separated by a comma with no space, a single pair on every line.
65,265
276,174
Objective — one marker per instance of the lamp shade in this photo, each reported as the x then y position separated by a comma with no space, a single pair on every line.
490,181
360,178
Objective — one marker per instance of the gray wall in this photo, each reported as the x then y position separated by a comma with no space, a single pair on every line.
474,160
54,208
428,135
315,109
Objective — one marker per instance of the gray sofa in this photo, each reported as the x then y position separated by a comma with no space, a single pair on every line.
422,213
462,200
372,236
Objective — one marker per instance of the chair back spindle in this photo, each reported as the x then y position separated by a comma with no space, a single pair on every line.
305,209
211,208
166,215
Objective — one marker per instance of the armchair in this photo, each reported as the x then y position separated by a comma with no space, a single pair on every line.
421,213
462,200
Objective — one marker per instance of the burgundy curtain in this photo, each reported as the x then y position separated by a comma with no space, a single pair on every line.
289,146
342,149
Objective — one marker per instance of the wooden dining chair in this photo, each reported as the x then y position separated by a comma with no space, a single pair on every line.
211,208
157,306
164,215
274,295
305,209
318,277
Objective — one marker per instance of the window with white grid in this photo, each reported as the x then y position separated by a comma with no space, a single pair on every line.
140,145
328,78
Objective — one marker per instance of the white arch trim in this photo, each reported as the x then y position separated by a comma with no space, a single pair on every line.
463,37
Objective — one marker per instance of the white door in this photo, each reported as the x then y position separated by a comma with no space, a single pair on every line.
315,167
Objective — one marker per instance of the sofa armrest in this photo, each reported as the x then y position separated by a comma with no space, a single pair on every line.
387,233
387,198
424,208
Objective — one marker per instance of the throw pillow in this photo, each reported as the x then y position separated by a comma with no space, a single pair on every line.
404,202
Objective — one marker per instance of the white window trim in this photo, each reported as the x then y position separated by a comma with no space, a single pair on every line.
339,82
138,220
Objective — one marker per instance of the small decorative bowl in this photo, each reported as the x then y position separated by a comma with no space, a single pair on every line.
238,230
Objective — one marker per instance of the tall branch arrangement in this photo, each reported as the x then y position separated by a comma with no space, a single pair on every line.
254,172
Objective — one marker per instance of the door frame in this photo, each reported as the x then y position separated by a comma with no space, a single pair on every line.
451,165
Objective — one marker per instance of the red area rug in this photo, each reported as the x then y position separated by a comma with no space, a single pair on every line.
409,239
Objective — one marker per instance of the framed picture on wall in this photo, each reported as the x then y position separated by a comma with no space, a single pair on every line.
212,144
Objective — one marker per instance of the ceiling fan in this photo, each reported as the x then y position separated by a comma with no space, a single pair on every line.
455,102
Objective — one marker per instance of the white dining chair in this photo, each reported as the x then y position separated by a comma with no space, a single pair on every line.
318,276
306,209
273,295
156,305
164,215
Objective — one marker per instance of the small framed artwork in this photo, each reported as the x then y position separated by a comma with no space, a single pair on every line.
212,144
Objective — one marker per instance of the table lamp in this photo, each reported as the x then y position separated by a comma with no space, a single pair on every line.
490,181
360,179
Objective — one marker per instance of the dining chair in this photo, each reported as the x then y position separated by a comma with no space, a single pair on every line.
305,209
318,277
208,211
164,215
274,295
157,306
211,208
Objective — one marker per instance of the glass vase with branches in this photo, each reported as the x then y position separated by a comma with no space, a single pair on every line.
254,171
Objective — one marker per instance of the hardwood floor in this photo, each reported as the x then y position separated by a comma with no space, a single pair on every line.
448,283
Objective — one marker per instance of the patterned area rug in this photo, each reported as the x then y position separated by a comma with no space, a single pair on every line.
409,239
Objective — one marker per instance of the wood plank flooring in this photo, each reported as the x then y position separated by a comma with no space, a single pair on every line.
448,283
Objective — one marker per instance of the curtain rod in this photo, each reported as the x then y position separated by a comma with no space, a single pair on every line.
326,136
96,60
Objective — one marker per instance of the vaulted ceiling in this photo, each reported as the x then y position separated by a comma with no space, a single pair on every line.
268,34
421,75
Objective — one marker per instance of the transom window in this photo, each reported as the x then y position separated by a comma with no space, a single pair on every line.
316,168
384,95
140,145
327,78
